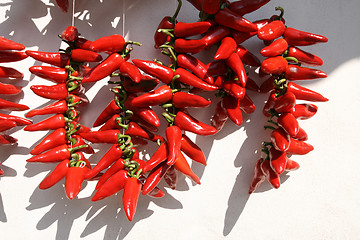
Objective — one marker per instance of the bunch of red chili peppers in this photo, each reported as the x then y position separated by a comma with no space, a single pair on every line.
10,51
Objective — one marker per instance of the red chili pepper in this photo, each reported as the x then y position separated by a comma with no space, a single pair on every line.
156,97
304,111
188,123
247,57
215,35
70,34
270,175
145,113
82,55
54,74
291,165
300,38
107,113
217,68
19,120
190,79
9,89
108,136
278,160
154,177
8,72
113,43
220,117
274,65
63,5
54,92
6,125
113,154
192,150
76,141
55,108
258,177
276,48
83,43
6,139
194,65
160,37
73,180
285,103
56,154
235,63
11,106
183,29
9,56
158,157
173,137
294,72
247,105
233,88
128,69
183,100
304,57
302,93
130,197
105,68
241,37
189,45
183,166
111,123
117,166
301,135
54,58
51,123
154,69
7,44
230,19
135,130
54,139
243,7
289,123
271,30
299,147
233,110
227,47
56,175
280,139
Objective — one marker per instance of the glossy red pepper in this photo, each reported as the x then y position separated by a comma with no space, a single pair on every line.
233,88
183,166
128,69
304,57
301,135
294,72
56,175
54,74
247,57
298,147
11,106
83,43
170,177
278,160
6,139
271,31
158,157
156,97
9,56
289,123
306,94
8,72
160,37
70,34
54,58
63,5
111,123
6,125
233,110
56,154
108,136
274,65
82,55
227,47
247,105
258,177
19,120
183,29
243,7
194,65
54,139
54,92
241,37
270,175
135,130
107,113
73,180
117,166
230,19
280,139
188,123
193,46
190,79
192,150
130,197
105,68
291,165
9,89
7,44
173,137
51,123
296,37
234,62
304,111
154,177
145,113
113,43
276,48
285,103
113,154
54,108
154,69
220,117
184,99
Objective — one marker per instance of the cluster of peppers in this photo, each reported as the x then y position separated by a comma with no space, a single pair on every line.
283,66
10,51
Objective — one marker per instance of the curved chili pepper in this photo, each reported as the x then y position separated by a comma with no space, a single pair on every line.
233,88
54,92
247,105
128,69
107,113
108,136
227,47
298,147
304,57
233,110
296,37
301,135
189,45
19,120
306,94
291,165
146,84
154,69
6,125
116,167
188,123
217,68
230,19
280,139
135,130
158,157
55,108
278,160
270,175
82,55
113,185
235,63
192,150
56,154
243,7
194,65
9,56
154,177
158,96
54,58
6,139
294,72
289,123
214,35
173,137
285,103
183,99
183,29
55,176
51,123
183,166
130,197
190,79
113,43
54,139
105,68
113,154
276,48
271,30
258,177
73,180
220,117
8,72
11,106
247,57
9,89
304,111
274,65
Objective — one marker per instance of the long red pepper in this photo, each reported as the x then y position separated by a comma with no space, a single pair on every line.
54,139
233,88
270,175
299,147
55,74
159,156
232,106
241,37
183,166
9,89
190,79
278,160
258,177
154,177
113,43
154,69
6,139
107,113
55,176
227,47
82,55
243,7
183,99
188,123
280,139
158,96
117,166
296,37
285,103
183,29
220,117
73,180
54,58
304,111
189,45
306,94
7,44
289,123
170,177
235,63
145,113
192,150
135,130
128,69
113,185
108,136
304,57
11,106
51,123
173,137
130,197
54,92
194,65
276,48
214,35
19,120
6,125
55,108
56,154
294,72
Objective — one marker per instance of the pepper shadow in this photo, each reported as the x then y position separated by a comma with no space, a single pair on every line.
3,217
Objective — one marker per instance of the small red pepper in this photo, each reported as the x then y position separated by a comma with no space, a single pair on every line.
183,100
276,48
8,72
70,34
298,147
291,165
130,197
294,72
289,123
51,123
108,136
7,44
56,175
82,55
76,141
285,103
145,113
113,43
54,74
113,185
243,7
54,139
9,89
304,111
241,37
11,106
173,137
113,169
258,177
183,29
301,135
230,19
304,57
54,92
306,94
154,69
227,47
6,125
9,56
73,180
192,150
278,160
128,69
55,108
300,38
156,97
194,65
83,43
188,123
19,120
160,37
220,117
233,110
183,166
56,154
274,65
193,46
214,35
233,88
190,79
271,30
235,63
154,177
270,175
107,113
158,157
54,58
280,139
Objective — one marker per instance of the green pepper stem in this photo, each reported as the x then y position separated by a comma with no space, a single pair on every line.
173,18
